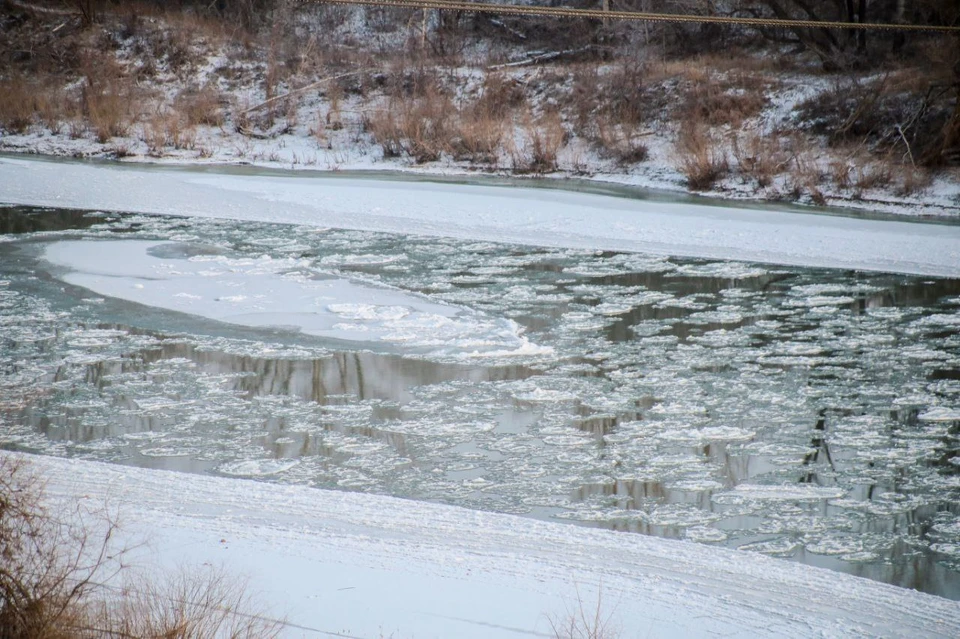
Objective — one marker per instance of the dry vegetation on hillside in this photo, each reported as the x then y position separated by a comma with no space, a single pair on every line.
781,114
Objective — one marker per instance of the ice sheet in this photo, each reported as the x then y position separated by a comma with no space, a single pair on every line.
519,215
280,293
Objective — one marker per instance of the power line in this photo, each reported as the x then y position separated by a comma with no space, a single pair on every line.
634,16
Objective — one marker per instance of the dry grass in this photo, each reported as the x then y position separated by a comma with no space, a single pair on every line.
478,137
621,143
52,561
57,568
542,139
500,96
109,99
585,622
187,604
420,128
913,181
18,104
872,175
718,103
201,106
900,112
623,97
699,156
27,102
807,175
167,130
759,157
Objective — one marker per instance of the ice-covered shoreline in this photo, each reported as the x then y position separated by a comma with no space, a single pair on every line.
479,212
349,564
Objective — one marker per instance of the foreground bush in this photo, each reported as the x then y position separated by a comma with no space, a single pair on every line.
62,575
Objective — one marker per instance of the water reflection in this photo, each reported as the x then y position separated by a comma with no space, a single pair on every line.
357,375
15,220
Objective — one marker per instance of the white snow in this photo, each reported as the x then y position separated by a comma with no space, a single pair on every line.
353,565
519,215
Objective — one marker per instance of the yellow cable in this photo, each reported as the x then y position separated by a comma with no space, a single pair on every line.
563,12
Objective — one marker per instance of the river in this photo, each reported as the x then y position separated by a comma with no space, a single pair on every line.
807,413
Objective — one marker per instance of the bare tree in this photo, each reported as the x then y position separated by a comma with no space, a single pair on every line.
48,563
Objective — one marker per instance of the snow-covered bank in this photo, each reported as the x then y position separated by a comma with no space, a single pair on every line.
346,564
519,215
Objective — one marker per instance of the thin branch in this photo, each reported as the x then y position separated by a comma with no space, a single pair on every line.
302,89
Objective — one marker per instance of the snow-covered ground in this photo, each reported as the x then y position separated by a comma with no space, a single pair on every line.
516,215
352,565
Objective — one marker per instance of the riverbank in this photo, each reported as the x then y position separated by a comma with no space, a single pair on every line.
353,565
296,92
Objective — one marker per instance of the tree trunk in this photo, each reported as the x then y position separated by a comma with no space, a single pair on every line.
862,36
851,17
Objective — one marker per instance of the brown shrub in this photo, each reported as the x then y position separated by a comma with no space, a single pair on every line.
420,128
583,97
699,157
108,99
621,143
50,564
840,173
718,104
886,114
478,136
806,174
500,96
201,106
544,138
18,104
872,175
56,568
913,181
759,157
199,604
165,130
622,95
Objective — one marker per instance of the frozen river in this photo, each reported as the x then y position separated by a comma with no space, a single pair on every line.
810,414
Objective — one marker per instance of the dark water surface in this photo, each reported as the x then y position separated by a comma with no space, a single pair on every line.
809,414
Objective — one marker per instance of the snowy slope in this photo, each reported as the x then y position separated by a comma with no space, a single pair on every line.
347,564
521,215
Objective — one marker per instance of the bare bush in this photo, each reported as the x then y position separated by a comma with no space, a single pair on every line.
203,603
585,622
872,175
544,137
886,113
699,156
478,136
913,181
500,96
201,106
760,157
17,105
57,570
108,98
420,128
168,130
49,565
622,143
717,103
623,95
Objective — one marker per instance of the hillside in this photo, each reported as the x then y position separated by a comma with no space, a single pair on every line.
867,120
